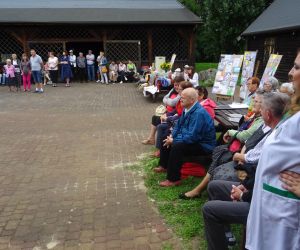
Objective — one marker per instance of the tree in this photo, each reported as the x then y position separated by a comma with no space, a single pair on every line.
223,23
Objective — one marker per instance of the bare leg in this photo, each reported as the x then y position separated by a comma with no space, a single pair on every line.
151,137
199,189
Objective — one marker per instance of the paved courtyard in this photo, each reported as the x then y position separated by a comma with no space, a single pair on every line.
63,184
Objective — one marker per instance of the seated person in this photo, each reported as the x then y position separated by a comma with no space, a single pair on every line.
113,72
271,84
122,72
131,71
220,211
193,134
208,104
252,86
223,154
168,122
287,88
170,101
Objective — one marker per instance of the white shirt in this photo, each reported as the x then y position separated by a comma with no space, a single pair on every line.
53,62
72,60
90,59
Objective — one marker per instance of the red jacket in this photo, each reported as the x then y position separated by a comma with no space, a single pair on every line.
209,105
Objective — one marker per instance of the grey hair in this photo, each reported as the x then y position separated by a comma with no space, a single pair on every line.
278,103
289,86
273,81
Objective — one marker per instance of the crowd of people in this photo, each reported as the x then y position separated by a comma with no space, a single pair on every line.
69,67
254,175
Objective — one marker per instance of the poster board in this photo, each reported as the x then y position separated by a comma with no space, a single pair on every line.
159,60
173,60
247,71
227,75
271,68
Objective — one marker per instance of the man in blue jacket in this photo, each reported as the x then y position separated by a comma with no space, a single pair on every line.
194,134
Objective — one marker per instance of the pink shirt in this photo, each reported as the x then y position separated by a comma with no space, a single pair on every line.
9,70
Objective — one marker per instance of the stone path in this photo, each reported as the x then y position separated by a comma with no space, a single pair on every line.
62,180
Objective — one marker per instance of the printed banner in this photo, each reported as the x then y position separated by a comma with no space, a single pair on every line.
271,68
247,71
227,75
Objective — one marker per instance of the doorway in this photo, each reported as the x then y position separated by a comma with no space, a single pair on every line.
83,47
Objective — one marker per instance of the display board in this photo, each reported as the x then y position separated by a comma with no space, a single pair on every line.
227,75
173,60
247,71
271,68
159,60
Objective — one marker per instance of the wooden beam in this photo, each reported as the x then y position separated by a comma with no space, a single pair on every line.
150,46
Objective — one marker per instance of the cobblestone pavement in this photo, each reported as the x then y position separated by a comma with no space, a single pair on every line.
63,184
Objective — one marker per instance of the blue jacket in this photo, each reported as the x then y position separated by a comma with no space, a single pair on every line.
196,127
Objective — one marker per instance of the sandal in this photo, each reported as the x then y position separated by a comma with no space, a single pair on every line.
148,142
184,197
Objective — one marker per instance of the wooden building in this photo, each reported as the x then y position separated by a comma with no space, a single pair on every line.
276,31
135,30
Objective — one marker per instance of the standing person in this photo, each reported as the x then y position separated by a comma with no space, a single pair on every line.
66,72
122,71
90,60
36,64
46,74
72,58
81,64
192,76
10,75
113,72
26,73
273,220
17,64
102,61
53,68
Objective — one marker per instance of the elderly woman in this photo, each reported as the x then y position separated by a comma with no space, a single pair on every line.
10,77
271,84
17,64
287,88
226,156
274,210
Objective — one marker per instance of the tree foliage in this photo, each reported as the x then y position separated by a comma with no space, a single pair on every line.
223,23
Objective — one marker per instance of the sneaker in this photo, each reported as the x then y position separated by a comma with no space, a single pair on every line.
97,81
121,82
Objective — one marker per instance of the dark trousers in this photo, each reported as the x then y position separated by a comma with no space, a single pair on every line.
172,158
221,211
130,76
74,73
162,131
53,75
81,74
121,76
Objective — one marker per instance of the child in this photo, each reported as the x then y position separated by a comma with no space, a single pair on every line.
10,75
46,74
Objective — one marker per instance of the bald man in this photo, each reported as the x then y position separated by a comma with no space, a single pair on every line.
194,134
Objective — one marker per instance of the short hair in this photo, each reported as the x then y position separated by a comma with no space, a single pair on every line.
191,93
8,60
179,78
202,91
255,80
260,92
185,85
278,103
289,86
273,81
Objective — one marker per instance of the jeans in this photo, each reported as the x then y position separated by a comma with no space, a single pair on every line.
162,131
91,72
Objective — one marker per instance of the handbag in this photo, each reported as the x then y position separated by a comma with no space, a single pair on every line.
160,110
103,69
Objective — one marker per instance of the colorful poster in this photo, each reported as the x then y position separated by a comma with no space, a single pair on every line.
227,75
173,60
247,71
271,68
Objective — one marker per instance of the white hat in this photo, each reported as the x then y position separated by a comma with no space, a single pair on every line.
186,66
71,51
178,70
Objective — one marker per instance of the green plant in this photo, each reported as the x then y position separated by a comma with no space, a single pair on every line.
165,66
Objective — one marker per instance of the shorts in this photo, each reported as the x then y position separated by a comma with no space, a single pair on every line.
37,76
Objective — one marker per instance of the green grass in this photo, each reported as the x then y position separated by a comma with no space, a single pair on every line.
205,66
183,216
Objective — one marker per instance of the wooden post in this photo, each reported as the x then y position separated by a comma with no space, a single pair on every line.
256,67
150,46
